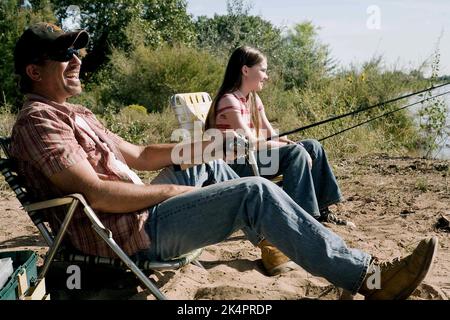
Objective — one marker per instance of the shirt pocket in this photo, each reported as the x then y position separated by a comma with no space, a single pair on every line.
88,145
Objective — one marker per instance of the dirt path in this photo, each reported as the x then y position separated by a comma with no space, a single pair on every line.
394,202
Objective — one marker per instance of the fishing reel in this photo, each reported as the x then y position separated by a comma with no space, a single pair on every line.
238,144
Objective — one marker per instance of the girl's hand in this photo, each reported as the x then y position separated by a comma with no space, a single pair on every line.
286,140
308,157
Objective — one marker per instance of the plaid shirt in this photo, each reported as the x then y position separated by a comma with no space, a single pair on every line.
46,140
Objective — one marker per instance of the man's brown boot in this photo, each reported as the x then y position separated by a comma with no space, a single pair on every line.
274,261
400,277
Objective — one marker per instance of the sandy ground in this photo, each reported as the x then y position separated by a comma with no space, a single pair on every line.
394,202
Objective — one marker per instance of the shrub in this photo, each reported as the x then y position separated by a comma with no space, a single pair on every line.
7,120
149,77
139,128
348,90
134,110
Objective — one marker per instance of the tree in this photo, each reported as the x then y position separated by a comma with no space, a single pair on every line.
15,17
120,23
304,59
223,33
148,76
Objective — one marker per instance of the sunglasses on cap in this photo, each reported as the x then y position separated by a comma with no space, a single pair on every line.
65,55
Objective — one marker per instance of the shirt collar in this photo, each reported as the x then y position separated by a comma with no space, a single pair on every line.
240,96
64,107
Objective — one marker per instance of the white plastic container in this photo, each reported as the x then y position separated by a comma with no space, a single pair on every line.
6,270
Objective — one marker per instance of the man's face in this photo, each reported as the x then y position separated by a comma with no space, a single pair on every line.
60,80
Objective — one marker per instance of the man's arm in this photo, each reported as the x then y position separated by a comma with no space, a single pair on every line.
146,158
157,156
112,196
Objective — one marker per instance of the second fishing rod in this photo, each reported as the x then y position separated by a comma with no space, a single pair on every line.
384,103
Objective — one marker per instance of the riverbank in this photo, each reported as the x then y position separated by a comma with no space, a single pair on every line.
394,202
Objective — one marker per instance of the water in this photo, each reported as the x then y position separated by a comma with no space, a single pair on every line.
443,151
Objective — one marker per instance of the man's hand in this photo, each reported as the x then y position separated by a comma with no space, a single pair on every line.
286,140
178,189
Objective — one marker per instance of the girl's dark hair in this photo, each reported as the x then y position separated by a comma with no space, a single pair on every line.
242,56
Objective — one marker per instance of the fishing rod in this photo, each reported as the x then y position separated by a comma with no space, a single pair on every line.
382,115
355,112
243,142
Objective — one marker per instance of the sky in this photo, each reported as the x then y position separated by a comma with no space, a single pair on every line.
404,32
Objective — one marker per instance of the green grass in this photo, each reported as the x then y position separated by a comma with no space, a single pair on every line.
421,185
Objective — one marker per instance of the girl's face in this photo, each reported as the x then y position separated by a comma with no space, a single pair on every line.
254,77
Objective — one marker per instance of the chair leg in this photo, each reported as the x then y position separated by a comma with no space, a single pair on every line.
54,248
129,263
106,235
198,264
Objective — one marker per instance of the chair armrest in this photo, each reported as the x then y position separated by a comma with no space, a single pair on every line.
74,200
89,212
56,202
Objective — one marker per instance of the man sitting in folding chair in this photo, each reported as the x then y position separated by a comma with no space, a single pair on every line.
61,148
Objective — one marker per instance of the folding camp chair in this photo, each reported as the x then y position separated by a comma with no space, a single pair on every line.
191,108
57,251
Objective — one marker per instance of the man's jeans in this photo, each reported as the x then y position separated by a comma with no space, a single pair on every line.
313,189
261,209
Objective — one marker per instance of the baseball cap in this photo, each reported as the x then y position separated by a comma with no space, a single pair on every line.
46,40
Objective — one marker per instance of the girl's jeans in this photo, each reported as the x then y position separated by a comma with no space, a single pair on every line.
312,189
